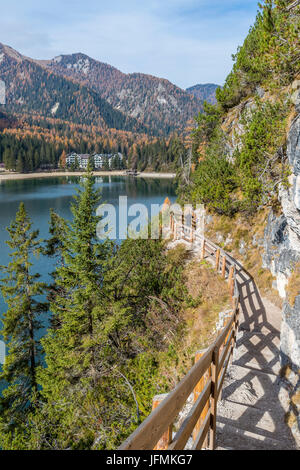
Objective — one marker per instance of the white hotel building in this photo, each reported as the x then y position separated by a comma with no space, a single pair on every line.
98,159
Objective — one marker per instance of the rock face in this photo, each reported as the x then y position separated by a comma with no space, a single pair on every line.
282,242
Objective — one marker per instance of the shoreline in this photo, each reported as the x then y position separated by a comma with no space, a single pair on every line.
21,176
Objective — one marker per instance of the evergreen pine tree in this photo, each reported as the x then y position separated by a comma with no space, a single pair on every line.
21,290
71,349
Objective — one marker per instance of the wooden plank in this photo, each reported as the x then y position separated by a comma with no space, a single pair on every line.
218,254
231,289
236,327
211,245
214,399
235,331
230,277
197,391
225,350
221,338
149,432
166,438
187,426
203,249
224,267
231,280
202,433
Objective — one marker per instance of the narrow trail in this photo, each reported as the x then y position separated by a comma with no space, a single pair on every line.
251,412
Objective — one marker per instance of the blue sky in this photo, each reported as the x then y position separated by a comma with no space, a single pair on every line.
185,41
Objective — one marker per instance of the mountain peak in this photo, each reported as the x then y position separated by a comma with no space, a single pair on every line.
12,53
204,91
79,62
132,101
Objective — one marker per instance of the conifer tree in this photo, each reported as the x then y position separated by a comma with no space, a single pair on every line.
71,349
22,323
55,248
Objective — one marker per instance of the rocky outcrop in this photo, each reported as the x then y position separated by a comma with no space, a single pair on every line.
282,241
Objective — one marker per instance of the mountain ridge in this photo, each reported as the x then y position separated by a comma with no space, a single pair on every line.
145,97
33,89
134,101
204,91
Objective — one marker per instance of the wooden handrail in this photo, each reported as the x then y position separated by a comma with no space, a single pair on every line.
154,429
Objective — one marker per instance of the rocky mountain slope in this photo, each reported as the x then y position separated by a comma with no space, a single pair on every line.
281,238
32,89
205,92
156,102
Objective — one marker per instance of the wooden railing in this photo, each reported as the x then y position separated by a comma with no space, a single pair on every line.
204,380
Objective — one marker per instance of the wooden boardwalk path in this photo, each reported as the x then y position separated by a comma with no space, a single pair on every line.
251,413
238,405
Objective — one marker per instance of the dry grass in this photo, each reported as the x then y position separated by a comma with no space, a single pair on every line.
210,296
293,287
241,229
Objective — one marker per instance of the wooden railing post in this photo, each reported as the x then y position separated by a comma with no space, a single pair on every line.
231,278
197,392
214,399
203,249
224,267
218,253
166,438
232,284
236,327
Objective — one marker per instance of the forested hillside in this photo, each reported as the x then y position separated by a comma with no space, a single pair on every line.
74,103
34,143
32,89
205,92
160,105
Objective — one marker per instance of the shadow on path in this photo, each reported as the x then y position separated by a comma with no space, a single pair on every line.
251,414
